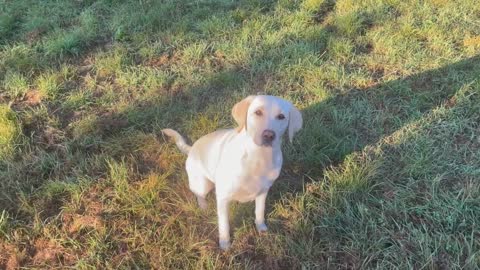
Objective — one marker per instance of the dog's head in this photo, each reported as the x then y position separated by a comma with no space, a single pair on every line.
266,118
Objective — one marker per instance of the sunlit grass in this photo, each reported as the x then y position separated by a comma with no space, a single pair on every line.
9,133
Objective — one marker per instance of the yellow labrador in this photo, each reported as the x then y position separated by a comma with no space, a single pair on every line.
240,163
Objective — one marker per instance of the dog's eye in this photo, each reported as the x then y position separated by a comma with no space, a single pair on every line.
258,113
280,116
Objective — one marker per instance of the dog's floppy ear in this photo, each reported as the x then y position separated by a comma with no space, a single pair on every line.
295,122
239,111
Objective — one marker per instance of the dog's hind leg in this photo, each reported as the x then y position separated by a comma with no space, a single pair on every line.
199,185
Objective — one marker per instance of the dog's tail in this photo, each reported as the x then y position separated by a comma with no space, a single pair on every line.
179,140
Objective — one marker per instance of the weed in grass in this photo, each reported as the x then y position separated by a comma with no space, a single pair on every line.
78,100
142,81
340,49
351,24
19,58
9,132
15,84
195,52
85,126
35,28
107,64
65,43
49,85
7,25
74,41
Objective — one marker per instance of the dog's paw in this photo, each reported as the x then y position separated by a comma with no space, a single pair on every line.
262,227
224,244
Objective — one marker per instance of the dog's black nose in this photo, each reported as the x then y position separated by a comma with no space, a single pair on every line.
268,136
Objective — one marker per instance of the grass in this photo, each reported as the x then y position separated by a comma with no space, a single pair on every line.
9,132
15,84
383,175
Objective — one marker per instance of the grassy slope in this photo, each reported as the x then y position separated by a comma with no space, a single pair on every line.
385,173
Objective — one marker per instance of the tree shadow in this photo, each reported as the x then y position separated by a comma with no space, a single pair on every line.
367,115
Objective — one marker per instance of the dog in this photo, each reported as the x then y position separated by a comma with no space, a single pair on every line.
241,163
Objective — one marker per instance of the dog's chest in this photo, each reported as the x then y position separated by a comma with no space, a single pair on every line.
257,174
249,187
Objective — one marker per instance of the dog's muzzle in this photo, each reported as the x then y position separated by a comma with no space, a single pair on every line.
267,137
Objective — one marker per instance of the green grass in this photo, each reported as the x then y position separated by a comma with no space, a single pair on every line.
9,132
384,174
15,84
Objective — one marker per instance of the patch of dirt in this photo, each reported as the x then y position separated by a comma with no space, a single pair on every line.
109,122
47,252
441,261
69,117
462,139
33,98
122,255
152,161
10,257
12,263
451,102
84,70
365,48
163,60
51,206
30,99
389,195
347,260
81,222
159,61
377,72
152,156
248,248
407,247
34,35
89,216
163,161
52,136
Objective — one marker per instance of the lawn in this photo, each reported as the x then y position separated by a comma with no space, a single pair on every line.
385,173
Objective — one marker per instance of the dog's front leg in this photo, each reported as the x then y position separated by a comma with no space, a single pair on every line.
260,212
223,225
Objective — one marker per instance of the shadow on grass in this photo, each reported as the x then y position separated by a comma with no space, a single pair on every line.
348,122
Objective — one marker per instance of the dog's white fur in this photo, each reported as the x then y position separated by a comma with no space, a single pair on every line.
236,161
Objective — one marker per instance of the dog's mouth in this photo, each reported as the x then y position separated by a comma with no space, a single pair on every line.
266,144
